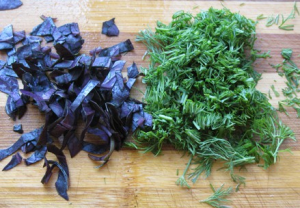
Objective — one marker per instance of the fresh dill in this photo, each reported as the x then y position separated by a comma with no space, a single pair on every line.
201,92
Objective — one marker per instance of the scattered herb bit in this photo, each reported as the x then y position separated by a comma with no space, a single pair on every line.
275,92
283,24
15,160
218,197
242,4
10,4
270,21
290,71
18,128
109,28
287,53
261,17
275,20
201,92
68,87
269,94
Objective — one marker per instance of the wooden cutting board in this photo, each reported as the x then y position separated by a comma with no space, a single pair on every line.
133,179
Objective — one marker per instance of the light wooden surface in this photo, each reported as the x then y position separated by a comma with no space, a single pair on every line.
133,179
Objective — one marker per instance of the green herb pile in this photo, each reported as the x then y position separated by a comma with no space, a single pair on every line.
201,93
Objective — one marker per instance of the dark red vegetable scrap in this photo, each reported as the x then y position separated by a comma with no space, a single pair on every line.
132,71
18,128
10,4
23,140
109,28
68,87
15,160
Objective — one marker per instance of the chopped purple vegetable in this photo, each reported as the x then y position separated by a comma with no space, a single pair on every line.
132,71
109,28
10,4
15,160
18,128
68,88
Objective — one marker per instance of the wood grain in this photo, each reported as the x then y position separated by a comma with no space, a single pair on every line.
133,179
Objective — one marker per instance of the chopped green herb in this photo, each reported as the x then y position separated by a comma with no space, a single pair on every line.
201,92
270,21
276,20
242,4
275,92
269,93
218,197
261,17
291,16
287,53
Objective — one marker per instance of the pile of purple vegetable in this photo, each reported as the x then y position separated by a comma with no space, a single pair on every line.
67,87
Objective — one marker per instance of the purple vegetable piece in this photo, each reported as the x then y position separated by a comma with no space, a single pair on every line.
68,35
46,28
118,66
60,156
9,72
109,28
88,115
95,51
122,47
28,147
9,85
100,133
148,119
111,78
74,145
32,40
38,155
119,95
84,92
63,52
15,160
132,71
7,38
120,80
68,28
137,121
95,149
48,172
18,128
10,4
62,183
109,81
102,62
128,107
33,135
19,36
130,82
